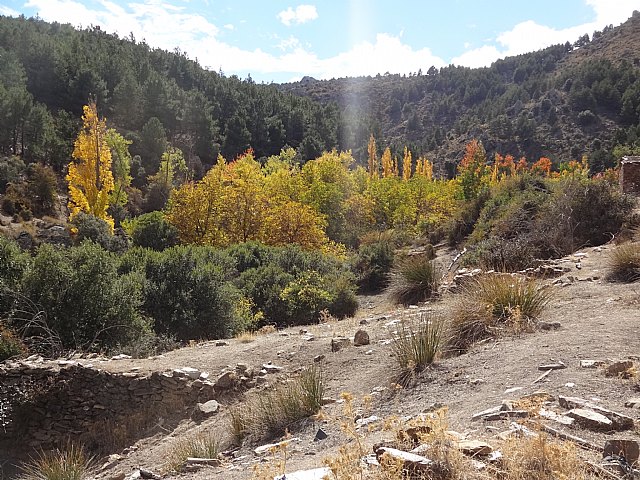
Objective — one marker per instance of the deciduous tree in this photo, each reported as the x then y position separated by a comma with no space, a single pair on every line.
90,178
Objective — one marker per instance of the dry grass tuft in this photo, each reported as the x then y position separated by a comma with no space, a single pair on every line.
72,463
274,412
624,263
267,329
246,336
202,445
540,458
417,347
415,280
493,304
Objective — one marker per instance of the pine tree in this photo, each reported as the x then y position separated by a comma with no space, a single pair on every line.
90,178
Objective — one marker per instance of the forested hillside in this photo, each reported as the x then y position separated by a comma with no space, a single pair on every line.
560,102
151,96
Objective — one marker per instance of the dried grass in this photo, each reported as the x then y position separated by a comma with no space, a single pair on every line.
492,304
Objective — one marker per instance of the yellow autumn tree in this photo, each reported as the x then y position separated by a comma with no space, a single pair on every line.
90,178
406,164
387,163
196,209
373,157
294,222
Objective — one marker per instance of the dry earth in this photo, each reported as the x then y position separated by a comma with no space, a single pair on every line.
598,320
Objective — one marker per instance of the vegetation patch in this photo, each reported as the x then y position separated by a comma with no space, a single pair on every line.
70,463
624,263
274,412
415,347
206,445
493,304
415,280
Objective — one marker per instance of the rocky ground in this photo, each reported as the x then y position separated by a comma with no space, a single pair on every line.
589,325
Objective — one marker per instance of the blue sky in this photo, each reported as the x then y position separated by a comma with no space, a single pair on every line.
283,40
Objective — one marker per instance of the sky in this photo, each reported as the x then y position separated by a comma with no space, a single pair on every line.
284,40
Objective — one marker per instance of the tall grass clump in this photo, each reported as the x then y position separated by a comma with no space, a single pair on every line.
416,347
539,458
202,445
624,263
72,463
415,280
274,412
493,304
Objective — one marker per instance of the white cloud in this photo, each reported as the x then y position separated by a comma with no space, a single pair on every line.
167,26
300,14
229,26
8,12
529,36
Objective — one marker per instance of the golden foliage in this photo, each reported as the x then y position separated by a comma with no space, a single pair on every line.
90,178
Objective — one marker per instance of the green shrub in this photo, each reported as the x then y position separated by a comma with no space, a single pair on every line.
493,303
152,230
415,280
42,188
188,295
72,463
503,255
98,231
84,299
10,170
372,266
13,263
415,348
274,412
624,263
264,285
10,344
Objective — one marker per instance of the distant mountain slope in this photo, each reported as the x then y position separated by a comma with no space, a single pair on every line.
562,102
49,71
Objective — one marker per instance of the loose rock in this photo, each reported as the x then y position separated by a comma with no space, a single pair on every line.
361,338
629,449
339,343
474,447
590,419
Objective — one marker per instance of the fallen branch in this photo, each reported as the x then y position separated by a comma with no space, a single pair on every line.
547,372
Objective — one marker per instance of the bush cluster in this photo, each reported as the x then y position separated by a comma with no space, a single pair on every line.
141,301
527,218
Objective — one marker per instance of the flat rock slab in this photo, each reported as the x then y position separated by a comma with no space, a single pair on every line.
591,363
313,474
555,417
590,419
409,461
474,447
262,449
552,366
505,415
619,421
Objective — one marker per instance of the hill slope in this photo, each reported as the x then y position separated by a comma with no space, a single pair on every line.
563,102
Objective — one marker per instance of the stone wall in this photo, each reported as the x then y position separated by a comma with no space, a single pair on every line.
630,175
43,407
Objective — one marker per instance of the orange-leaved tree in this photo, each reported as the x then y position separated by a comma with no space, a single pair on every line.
90,178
